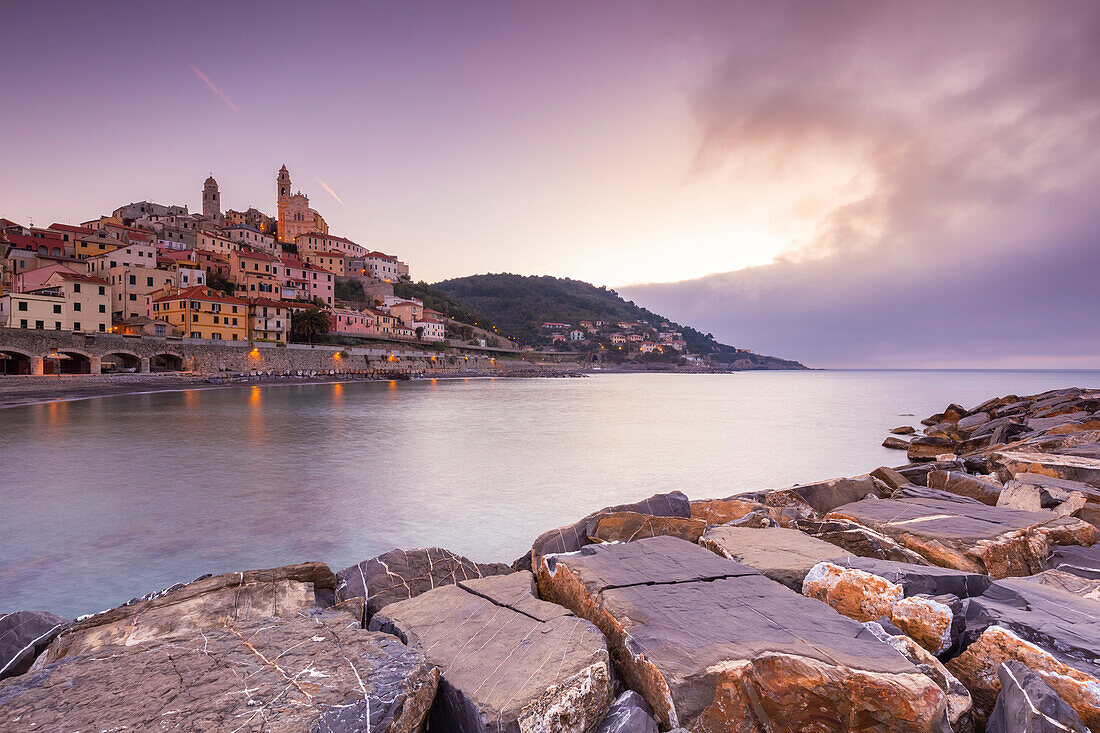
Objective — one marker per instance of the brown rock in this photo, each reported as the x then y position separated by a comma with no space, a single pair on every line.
314,671
970,537
824,496
207,603
573,537
714,646
893,479
958,697
957,482
630,526
1073,468
895,443
929,448
509,662
720,511
856,539
1021,496
903,430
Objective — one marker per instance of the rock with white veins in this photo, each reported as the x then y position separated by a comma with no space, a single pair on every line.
207,603
402,574
629,713
1052,631
1027,704
509,662
311,671
713,645
23,636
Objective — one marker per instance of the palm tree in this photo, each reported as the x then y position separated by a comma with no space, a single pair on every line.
308,323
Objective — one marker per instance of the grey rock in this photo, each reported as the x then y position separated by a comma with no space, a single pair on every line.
402,574
23,636
784,555
505,663
630,713
316,672
1027,704
1083,562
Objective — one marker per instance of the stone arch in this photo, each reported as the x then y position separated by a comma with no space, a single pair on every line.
15,361
68,361
166,361
120,360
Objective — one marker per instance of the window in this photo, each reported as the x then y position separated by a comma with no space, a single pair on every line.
76,325
149,281
194,317
102,327
76,307
22,322
102,308
57,308
133,296
39,325
102,291
76,287
22,305
234,337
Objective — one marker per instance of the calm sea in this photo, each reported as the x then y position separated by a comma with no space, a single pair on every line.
105,499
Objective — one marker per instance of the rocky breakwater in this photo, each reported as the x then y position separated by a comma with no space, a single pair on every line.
957,592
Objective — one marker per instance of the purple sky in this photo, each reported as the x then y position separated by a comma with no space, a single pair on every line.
849,184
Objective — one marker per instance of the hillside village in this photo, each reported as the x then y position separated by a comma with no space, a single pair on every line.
161,270
224,276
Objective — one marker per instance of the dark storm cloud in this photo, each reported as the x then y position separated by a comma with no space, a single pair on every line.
978,242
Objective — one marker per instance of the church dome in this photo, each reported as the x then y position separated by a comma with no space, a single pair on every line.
210,182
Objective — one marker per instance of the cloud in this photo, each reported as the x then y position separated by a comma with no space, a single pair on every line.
975,131
214,88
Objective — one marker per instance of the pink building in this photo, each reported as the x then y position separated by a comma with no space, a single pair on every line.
347,322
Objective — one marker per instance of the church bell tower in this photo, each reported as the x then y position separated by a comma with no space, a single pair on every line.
282,187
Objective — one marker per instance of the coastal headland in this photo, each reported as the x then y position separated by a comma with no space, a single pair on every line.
958,591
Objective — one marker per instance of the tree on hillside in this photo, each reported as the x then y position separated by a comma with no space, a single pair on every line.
309,324
217,281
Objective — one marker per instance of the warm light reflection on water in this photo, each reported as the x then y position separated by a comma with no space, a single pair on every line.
110,498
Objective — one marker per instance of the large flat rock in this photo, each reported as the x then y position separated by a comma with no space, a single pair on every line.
784,555
630,526
978,488
1072,468
823,496
713,645
203,604
975,538
314,671
1052,631
509,662
402,574
1082,561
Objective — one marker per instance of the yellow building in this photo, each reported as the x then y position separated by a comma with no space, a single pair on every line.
202,313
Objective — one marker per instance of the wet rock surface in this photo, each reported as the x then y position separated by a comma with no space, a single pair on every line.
316,672
508,662
713,645
402,574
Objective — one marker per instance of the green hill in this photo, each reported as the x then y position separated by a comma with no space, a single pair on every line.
518,305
